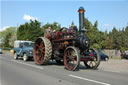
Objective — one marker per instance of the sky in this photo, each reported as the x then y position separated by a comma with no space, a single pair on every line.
108,13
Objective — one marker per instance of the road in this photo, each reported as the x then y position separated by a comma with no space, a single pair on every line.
18,72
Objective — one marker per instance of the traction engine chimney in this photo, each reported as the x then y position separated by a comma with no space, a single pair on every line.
81,21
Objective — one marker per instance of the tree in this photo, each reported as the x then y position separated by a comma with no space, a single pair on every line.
115,38
29,31
119,38
125,37
54,25
95,26
6,40
20,32
96,37
7,37
108,42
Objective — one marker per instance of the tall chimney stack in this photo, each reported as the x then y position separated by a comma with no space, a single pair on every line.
81,21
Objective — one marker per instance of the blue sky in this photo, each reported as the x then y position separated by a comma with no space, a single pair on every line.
109,13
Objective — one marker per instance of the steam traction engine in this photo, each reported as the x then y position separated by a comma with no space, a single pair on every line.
67,46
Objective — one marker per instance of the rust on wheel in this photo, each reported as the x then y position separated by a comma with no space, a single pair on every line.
71,58
94,60
42,50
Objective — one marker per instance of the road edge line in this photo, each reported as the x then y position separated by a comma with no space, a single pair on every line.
78,77
27,64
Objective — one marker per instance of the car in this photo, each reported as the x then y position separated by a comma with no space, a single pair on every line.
23,49
1,50
103,56
124,55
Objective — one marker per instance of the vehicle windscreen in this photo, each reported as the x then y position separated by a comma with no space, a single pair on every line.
27,44
100,52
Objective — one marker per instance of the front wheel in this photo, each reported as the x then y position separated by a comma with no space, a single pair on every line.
106,59
15,56
94,60
71,58
25,57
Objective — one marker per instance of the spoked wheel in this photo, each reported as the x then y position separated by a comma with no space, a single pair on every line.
42,50
71,58
94,60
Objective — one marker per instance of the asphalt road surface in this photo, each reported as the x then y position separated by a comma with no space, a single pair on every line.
18,72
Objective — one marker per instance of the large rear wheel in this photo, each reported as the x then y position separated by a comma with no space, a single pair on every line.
71,58
94,60
42,50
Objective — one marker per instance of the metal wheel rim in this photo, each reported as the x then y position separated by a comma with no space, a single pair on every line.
94,62
39,51
71,60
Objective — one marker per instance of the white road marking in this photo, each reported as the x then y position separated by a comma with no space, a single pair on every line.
28,64
111,71
89,80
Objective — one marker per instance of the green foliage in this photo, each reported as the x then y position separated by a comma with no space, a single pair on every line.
117,39
7,37
108,42
6,40
96,37
29,31
53,26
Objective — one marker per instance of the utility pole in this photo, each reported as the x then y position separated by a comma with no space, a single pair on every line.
16,30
